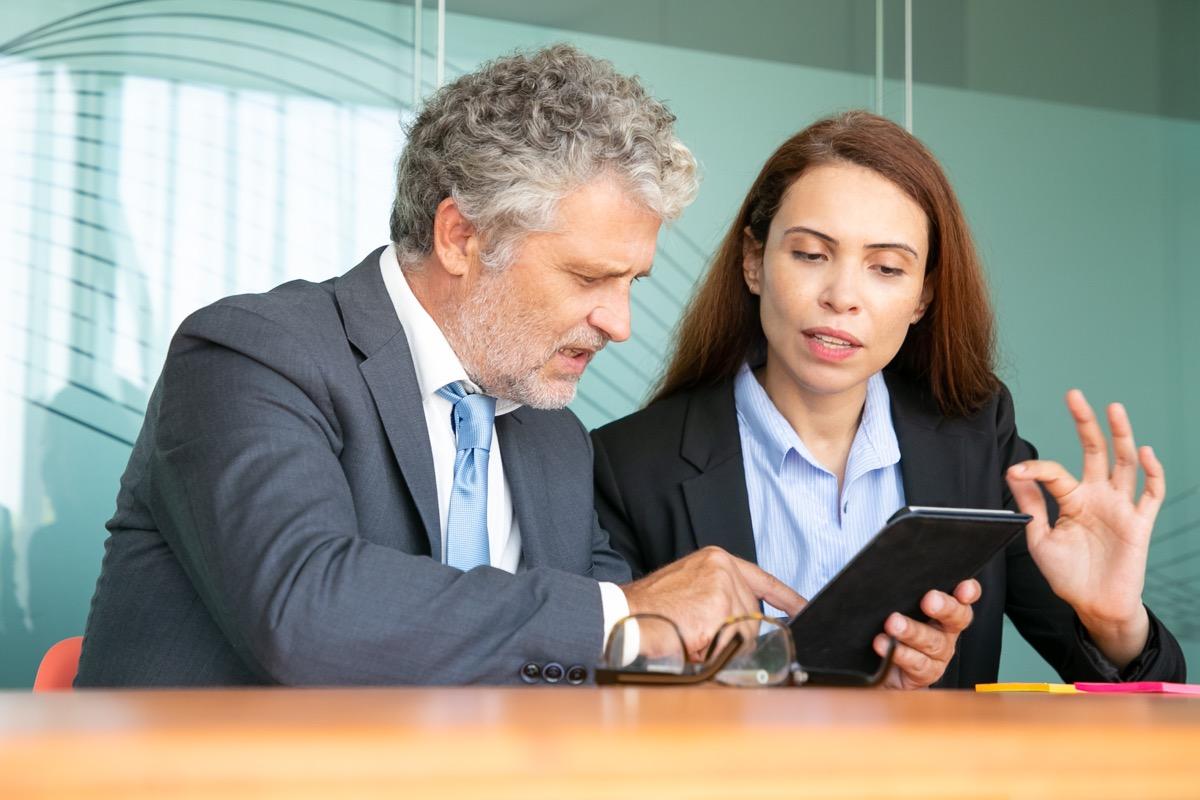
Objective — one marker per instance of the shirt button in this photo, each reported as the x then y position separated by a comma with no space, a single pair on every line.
576,675
552,672
530,672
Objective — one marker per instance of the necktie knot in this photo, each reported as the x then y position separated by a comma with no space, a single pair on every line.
471,417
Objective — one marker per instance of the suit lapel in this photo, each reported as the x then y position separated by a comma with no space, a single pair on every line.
717,502
373,327
527,482
932,459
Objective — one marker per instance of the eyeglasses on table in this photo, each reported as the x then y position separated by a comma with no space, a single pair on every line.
749,650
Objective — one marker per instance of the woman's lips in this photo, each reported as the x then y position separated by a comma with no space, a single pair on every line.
829,344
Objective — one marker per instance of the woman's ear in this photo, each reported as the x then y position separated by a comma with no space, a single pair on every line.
926,299
752,258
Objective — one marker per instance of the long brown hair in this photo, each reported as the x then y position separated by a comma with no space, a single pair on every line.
951,349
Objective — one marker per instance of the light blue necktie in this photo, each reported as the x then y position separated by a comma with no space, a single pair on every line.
471,418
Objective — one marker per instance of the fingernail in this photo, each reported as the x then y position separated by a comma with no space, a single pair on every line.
1017,469
935,603
896,624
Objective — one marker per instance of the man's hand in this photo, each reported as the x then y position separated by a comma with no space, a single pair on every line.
699,592
923,649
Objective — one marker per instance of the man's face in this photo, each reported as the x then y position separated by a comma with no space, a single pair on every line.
527,332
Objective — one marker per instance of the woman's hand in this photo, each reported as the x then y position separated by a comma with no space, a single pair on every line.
923,649
1094,557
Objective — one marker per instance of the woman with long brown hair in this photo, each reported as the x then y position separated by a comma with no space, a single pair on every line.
835,364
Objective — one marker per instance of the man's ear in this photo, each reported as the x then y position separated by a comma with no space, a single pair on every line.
926,299
455,240
752,258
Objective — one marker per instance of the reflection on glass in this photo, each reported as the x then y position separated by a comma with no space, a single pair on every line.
150,163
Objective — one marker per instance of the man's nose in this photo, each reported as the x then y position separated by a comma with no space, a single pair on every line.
612,318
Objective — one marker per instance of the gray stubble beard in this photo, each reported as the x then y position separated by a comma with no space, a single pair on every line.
487,333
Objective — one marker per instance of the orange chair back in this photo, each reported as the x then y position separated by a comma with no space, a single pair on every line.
57,670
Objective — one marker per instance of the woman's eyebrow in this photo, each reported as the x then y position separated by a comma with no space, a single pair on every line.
801,229
893,246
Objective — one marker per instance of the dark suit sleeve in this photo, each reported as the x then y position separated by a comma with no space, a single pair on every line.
610,510
256,506
1048,623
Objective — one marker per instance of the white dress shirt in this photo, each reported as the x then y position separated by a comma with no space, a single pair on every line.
436,365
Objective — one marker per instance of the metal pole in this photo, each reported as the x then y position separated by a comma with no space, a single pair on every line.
908,67
879,57
418,7
441,44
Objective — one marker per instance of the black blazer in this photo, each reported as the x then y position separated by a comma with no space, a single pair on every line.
670,480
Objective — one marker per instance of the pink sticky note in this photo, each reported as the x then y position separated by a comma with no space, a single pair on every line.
1145,687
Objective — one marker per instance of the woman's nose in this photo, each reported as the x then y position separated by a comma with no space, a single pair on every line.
841,293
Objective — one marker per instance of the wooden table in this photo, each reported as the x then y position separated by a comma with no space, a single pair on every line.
574,742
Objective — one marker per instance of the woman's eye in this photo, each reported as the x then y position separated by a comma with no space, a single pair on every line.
889,272
800,255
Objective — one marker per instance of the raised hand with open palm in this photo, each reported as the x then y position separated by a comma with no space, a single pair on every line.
1094,556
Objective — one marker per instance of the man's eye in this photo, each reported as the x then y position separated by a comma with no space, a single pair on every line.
588,280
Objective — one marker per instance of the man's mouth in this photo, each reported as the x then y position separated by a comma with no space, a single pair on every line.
575,360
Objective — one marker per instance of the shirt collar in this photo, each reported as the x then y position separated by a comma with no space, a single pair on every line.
766,425
875,445
434,360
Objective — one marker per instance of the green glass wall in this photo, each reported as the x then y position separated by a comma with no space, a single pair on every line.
158,154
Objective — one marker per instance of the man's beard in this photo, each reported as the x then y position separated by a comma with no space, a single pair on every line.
496,339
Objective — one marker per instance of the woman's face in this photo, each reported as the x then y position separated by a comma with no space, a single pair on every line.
841,278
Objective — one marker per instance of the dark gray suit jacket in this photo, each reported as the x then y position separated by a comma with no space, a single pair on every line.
278,519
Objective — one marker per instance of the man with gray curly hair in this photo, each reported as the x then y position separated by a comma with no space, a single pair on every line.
373,479
500,150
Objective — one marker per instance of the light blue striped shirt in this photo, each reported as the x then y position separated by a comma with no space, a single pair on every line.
803,531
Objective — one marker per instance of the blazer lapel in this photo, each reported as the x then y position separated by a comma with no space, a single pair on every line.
373,327
717,502
527,482
932,459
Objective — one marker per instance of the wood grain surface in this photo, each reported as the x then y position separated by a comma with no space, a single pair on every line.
587,742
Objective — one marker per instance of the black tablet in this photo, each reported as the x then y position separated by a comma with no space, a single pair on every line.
917,550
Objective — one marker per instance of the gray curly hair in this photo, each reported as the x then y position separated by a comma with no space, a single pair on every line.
511,139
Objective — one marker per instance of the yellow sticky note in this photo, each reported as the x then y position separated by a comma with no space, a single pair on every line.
1052,688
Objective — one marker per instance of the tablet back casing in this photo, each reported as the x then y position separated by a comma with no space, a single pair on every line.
918,550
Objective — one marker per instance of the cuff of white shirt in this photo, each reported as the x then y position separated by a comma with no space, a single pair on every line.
615,606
